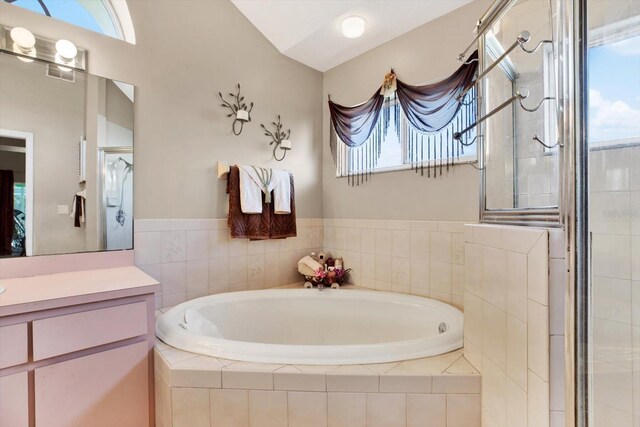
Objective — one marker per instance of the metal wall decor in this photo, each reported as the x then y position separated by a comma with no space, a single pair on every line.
278,137
238,109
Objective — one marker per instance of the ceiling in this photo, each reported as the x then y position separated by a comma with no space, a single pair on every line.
309,30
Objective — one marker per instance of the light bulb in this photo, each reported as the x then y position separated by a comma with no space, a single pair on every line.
353,26
66,50
23,43
23,39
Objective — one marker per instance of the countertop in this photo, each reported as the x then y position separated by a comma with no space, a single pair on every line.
56,290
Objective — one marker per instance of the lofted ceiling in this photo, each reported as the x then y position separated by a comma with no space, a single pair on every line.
309,30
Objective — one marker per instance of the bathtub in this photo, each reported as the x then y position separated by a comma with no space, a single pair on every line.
310,327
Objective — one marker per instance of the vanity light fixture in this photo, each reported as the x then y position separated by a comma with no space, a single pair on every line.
66,54
27,46
353,26
278,137
24,43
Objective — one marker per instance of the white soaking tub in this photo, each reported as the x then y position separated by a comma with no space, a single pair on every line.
307,326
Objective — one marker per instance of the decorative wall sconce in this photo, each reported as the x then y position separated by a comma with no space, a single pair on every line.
279,138
239,110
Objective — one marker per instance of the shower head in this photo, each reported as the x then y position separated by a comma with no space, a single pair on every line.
128,164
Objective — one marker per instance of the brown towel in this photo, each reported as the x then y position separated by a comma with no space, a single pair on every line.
78,210
266,225
6,211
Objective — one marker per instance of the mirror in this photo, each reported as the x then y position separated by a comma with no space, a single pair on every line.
520,172
66,160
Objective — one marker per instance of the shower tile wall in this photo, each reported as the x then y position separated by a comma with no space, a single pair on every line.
615,226
194,258
414,257
514,323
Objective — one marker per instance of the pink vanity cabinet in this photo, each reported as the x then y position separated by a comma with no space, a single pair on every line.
76,349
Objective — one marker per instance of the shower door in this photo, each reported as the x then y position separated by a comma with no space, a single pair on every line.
611,146
117,197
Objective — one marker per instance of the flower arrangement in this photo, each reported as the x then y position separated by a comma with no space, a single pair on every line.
338,276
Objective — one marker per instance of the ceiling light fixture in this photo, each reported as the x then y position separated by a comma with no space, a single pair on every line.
66,54
23,43
353,26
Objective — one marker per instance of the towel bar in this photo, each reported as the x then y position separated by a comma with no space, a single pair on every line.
223,168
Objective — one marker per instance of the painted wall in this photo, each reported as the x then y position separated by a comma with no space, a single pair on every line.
423,55
180,129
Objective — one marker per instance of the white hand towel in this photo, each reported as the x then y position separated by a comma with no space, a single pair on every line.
251,189
308,266
282,192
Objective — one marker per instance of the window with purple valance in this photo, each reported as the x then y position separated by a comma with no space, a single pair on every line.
433,112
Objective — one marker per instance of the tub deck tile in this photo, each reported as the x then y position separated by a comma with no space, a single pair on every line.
446,373
247,375
291,378
353,378
405,383
382,368
427,365
462,366
316,368
200,371
452,383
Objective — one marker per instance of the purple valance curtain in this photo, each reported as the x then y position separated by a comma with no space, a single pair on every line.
355,124
440,107
430,108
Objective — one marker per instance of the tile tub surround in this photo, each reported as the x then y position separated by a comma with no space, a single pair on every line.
424,258
514,323
194,391
194,258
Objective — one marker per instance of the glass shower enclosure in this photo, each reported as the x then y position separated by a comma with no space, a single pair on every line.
564,151
610,148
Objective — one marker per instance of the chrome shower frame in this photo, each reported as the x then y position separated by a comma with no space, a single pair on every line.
572,213
102,197
546,216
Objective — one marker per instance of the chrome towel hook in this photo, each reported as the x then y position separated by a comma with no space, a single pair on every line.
538,140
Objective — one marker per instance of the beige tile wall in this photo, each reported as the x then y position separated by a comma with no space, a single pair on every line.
510,325
193,258
423,258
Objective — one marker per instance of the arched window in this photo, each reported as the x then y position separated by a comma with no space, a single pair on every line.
108,17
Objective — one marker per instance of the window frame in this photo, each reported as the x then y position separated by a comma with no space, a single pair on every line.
117,11
607,35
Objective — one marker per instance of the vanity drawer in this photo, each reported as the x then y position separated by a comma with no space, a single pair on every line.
14,400
14,345
88,329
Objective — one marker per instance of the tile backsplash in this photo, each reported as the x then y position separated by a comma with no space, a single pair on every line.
193,258
415,257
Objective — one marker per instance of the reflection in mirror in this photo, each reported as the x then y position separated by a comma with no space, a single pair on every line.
520,172
66,160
